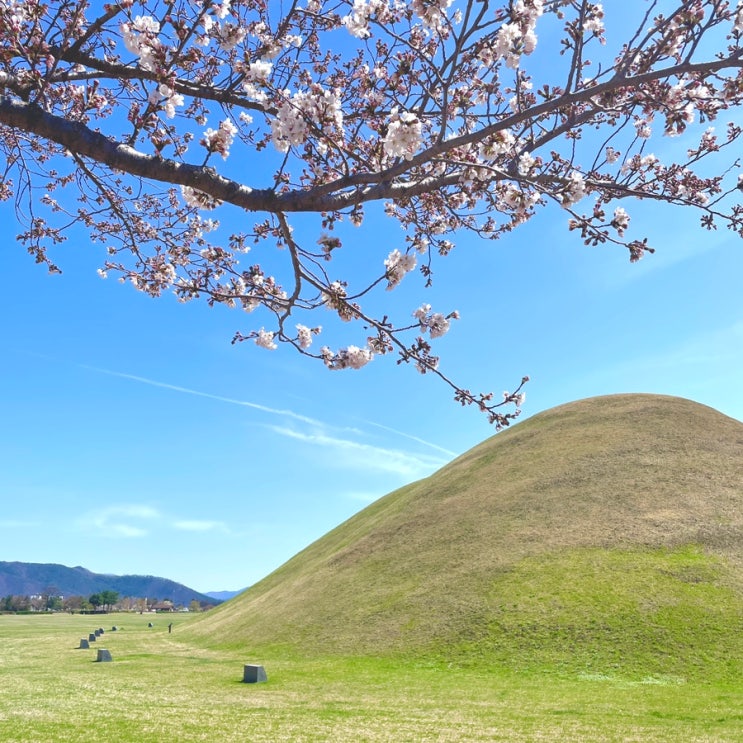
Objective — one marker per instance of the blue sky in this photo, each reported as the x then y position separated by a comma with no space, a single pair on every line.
134,438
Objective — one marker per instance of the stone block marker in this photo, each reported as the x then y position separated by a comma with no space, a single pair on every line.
100,630
114,628
149,624
84,644
97,633
254,674
104,656
92,637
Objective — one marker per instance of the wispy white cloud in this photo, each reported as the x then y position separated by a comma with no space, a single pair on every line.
282,412
366,456
135,521
417,439
117,520
209,395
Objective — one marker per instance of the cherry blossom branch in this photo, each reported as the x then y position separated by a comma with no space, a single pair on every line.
431,107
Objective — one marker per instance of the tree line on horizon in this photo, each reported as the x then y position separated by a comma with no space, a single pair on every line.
103,601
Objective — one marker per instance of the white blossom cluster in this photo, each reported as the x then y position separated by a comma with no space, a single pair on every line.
160,273
203,227
593,22
526,163
435,323
172,99
264,339
643,128
575,189
258,71
198,199
291,126
612,155
219,140
518,37
431,12
404,135
492,148
738,23
140,38
512,199
620,222
335,298
304,336
357,21
518,399
351,357
222,9
397,265
227,35
14,12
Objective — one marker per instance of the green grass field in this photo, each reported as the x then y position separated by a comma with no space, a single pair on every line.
576,578
160,687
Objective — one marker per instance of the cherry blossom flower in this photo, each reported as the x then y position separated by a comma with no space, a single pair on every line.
221,139
264,339
620,222
404,135
397,265
304,336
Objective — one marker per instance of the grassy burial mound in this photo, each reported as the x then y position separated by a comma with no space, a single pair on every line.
602,535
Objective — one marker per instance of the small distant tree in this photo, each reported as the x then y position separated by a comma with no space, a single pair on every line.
95,600
194,606
72,604
451,115
127,603
51,598
109,599
20,603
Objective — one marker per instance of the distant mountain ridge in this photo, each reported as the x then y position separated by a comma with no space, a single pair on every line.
31,578
224,595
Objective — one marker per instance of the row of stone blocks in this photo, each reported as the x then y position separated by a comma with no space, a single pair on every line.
104,656
252,674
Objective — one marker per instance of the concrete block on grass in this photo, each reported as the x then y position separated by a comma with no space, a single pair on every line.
254,674
104,656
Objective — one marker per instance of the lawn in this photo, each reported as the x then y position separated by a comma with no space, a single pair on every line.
159,687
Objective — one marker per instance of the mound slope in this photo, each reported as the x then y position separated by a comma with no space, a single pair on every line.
433,564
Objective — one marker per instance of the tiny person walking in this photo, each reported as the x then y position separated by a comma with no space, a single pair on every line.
170,627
